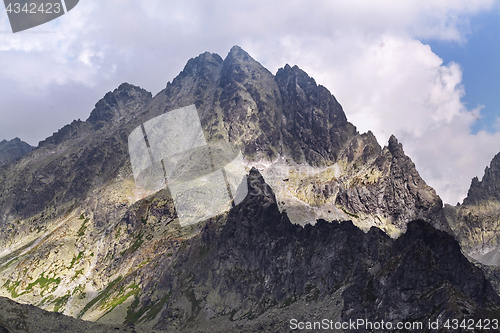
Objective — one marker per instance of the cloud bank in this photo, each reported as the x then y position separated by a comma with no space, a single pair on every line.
368,54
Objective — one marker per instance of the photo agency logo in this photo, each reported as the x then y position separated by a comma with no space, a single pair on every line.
26,14
204,179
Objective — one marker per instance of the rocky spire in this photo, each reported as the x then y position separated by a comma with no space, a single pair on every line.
489,186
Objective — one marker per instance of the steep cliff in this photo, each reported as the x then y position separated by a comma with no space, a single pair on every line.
476,222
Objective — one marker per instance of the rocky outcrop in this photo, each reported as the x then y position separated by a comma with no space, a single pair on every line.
257,270
115,109
400,195
489,186
119,107
315,128
476,222
13,150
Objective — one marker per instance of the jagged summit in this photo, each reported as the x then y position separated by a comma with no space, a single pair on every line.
120,105
266,116
489,186
96,230
12,150
476,222
115,109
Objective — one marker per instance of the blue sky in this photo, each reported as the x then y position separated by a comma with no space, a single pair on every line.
423,70
479,57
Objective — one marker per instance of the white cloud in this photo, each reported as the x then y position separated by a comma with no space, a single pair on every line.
397,85
367,53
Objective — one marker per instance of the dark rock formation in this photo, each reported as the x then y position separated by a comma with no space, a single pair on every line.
13,150
315,128
258,270
476,222
489,186
419,278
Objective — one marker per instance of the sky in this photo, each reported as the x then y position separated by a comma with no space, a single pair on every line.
426,71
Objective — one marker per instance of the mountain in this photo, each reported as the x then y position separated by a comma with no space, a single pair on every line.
476,222
489,186
81,156
81,237
12,150
316,162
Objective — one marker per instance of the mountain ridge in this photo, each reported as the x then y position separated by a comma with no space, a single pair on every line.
73,201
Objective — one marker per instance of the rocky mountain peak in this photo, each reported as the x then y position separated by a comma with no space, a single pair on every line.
200,66
120,105
115,109
315,126
296,74
247,107
13,150
289,115
395,147
237,53
489,186
476,223
240,67
321,170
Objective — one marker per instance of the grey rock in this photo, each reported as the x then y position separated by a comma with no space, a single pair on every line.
81,156
476,223
13,150
246,266
257,267
315,128
489,186
22,318
401,195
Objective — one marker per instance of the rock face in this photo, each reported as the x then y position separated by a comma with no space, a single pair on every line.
488,188
257,270
476,222
13,150
79,237
75,160
315,128
289,117
119,107
400,188
20,318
